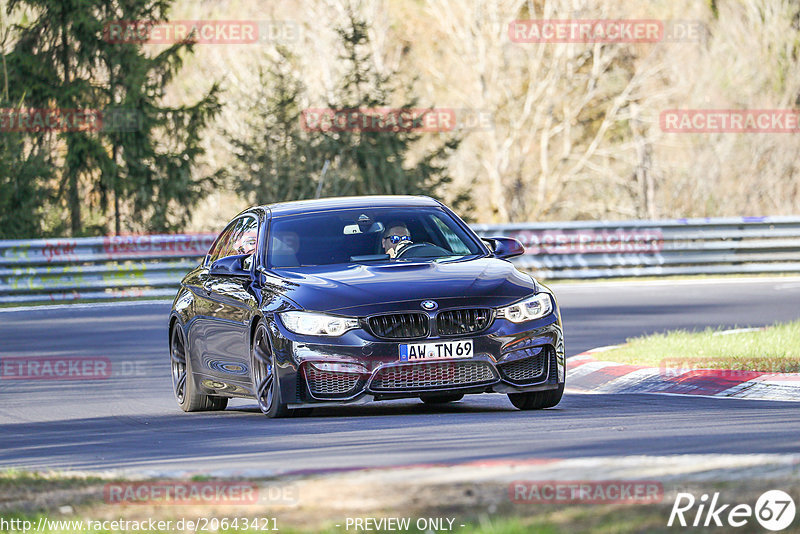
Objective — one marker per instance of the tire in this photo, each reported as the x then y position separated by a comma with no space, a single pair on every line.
265,387
183,385
537,400
441,399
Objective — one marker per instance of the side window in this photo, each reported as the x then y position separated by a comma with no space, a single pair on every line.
245,237
221,243
240,237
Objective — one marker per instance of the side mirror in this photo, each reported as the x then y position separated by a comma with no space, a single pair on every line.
505,247
237,265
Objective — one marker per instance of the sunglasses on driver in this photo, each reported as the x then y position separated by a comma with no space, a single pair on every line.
395,239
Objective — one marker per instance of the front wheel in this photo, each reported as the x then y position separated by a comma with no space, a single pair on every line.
265,384
186,393
537,400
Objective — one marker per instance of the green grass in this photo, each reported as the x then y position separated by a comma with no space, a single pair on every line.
15,480
25,491
775,349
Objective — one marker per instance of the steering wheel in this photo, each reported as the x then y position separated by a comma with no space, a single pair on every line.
419,247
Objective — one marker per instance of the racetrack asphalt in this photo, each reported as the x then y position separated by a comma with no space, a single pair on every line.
129,421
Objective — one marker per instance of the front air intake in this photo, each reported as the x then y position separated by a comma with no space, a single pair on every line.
399,325
432,375
459,322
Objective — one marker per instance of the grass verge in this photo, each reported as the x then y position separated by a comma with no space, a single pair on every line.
773,349
74,504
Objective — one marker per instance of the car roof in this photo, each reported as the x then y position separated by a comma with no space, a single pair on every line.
334,203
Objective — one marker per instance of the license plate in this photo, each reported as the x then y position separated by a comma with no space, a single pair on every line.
438,350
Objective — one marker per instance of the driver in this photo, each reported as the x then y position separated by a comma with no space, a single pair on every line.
395,238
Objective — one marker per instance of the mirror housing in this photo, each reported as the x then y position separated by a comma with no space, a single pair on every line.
231,266
505,247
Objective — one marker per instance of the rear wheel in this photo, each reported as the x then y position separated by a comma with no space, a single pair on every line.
441,399
265,385
186,392
537,400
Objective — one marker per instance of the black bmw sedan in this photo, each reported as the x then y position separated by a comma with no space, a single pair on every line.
349,300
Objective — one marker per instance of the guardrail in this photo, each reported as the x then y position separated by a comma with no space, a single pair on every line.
607,249
97,268
104,268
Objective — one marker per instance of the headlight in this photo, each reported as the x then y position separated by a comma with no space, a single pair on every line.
317,324
531,308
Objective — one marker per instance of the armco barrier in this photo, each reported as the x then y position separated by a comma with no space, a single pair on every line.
97,267
152,265
606,249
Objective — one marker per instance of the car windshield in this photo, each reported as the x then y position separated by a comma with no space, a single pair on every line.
367,235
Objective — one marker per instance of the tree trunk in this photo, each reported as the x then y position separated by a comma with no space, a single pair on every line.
73,196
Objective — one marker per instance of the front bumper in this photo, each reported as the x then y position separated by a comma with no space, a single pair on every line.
357,367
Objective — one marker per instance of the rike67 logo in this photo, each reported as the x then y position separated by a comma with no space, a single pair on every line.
774,510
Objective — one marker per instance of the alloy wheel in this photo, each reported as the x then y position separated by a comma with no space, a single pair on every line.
177,354
263,376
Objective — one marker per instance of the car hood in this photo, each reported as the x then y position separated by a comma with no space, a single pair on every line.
359,289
